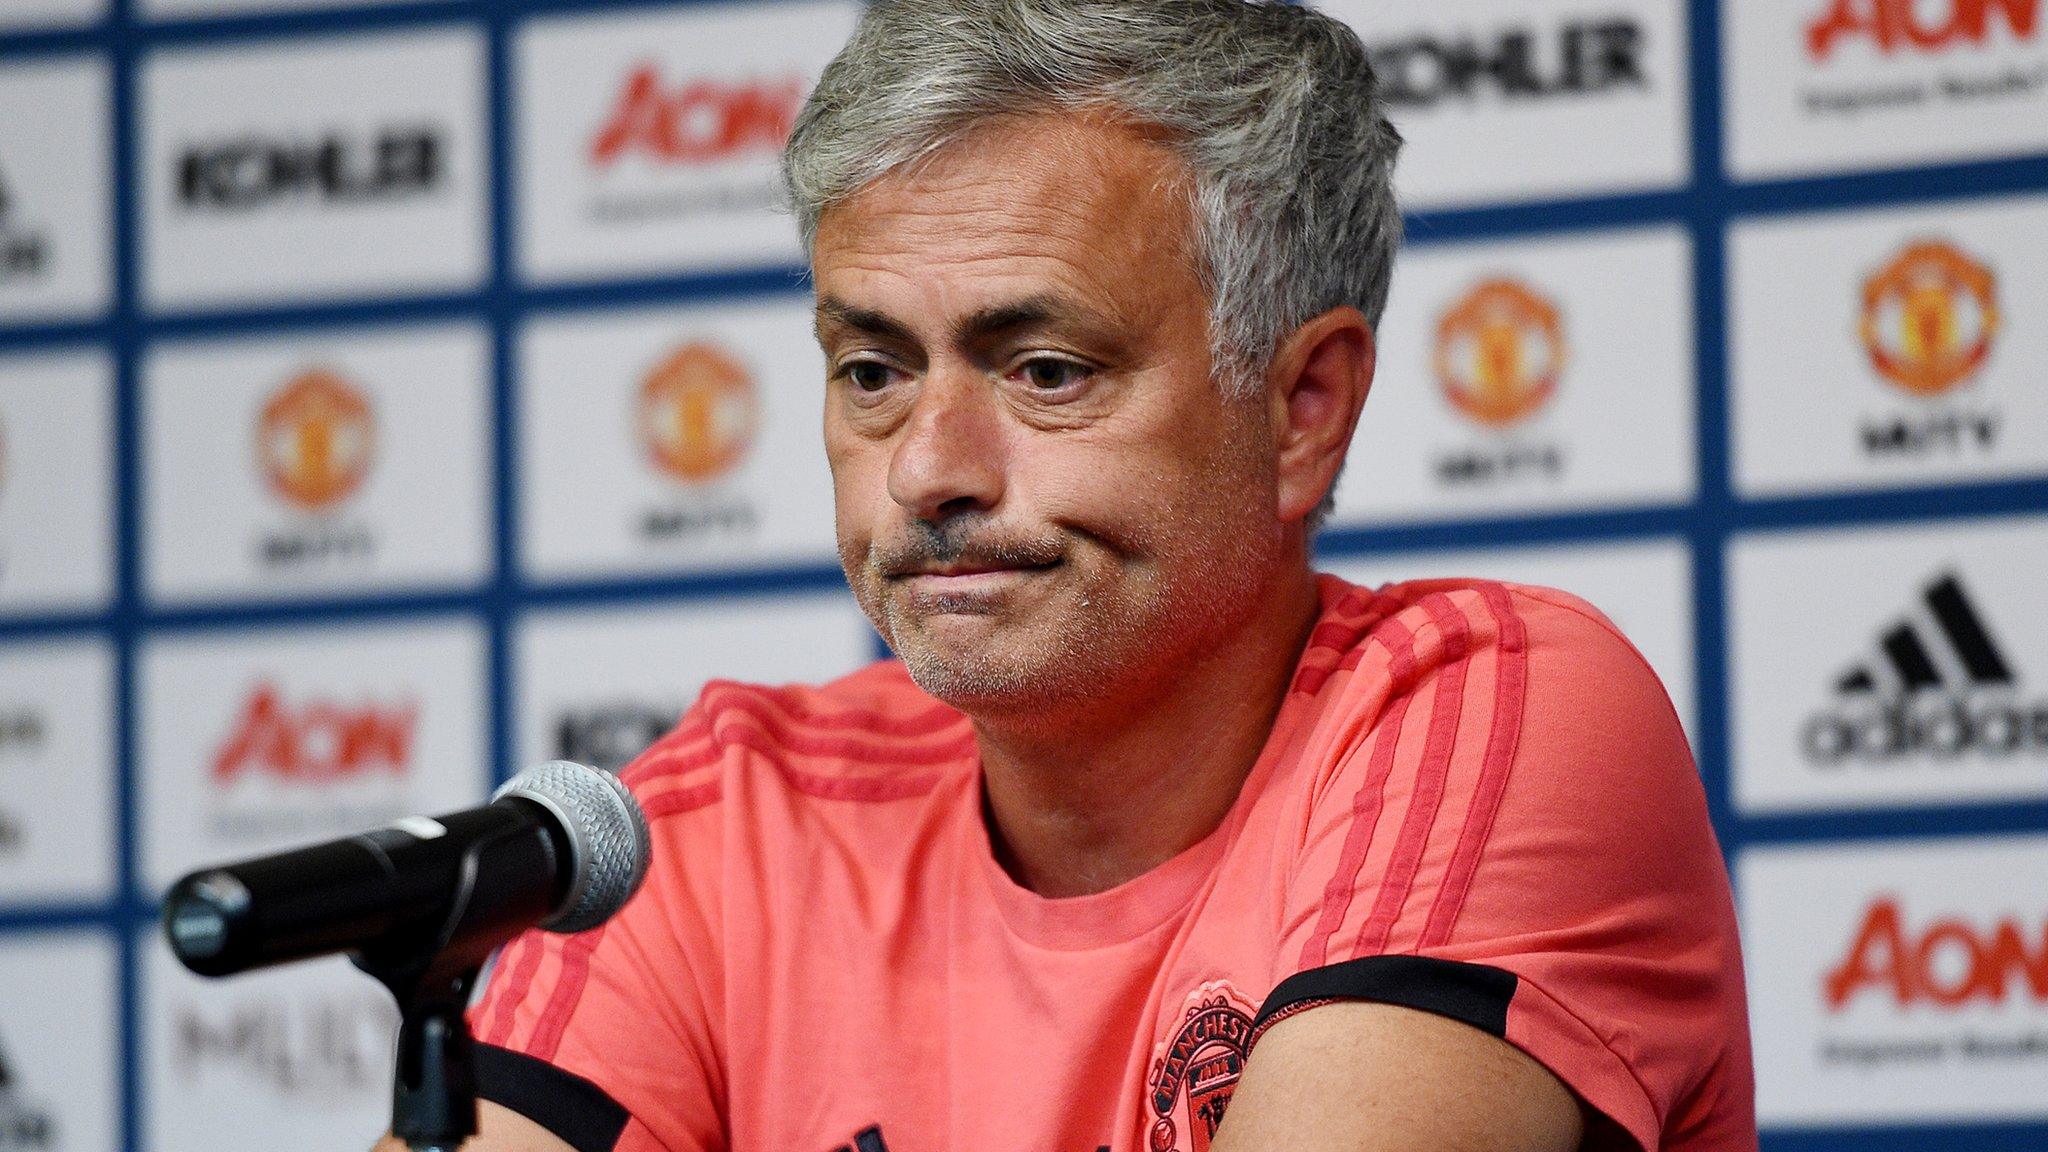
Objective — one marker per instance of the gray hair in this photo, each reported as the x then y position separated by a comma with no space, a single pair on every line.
1271,106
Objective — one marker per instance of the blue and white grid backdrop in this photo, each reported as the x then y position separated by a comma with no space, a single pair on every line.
395,393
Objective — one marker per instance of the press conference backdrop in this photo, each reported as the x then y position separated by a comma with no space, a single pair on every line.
395,394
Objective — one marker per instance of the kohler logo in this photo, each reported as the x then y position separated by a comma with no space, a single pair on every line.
1521,62
610,735
251,172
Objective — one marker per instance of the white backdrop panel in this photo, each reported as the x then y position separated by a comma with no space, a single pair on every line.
59,1042
1497,99
1881,349
291,1057
55,190
1890,982
371,179
597,686
42,15
1580,352
319,462
57,806
56,481
673,440
252,742
649,141
1865,666
1839,85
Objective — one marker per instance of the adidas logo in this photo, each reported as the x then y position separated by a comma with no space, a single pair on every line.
1912,664
1940,686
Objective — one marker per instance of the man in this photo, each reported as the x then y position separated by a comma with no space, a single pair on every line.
1150,821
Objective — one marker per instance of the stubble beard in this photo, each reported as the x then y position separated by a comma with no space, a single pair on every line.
1109,636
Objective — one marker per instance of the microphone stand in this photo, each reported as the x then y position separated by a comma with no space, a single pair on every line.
430,972
433,1092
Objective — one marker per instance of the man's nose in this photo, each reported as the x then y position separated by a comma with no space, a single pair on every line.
950,455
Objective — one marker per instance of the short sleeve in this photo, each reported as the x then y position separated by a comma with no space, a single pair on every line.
610,1038
1516,837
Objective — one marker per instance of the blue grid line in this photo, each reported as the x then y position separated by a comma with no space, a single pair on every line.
54,336
59,916
258,320
239,28
56,627
129,912
1533,527
1948,503
1890,187
1712,512
2016,1137
1986,818
502,603
20,45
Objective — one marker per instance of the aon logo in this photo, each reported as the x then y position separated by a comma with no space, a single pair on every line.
1950,963
1894,24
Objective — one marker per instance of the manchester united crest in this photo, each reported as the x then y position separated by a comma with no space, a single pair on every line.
315,439
1500,351
1195,1070
698,413
1929,317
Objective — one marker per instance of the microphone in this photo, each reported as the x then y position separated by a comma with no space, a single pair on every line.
561,845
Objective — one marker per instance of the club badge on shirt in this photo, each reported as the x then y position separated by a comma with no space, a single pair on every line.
1195,1070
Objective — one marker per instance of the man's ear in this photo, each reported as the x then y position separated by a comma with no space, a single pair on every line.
1316,386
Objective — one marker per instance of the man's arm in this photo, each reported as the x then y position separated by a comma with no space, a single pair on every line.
1365,1077
499,1130
1555,891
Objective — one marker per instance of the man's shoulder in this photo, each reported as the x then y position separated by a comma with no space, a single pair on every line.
1402,632
1464,669
872,734
1458,684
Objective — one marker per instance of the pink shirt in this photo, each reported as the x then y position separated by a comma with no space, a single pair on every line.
1476,801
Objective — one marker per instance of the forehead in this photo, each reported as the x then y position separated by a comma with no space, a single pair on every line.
1072,203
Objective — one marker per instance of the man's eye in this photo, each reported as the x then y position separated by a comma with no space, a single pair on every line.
1050,375
867,375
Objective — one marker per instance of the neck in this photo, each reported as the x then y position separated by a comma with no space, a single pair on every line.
1081,803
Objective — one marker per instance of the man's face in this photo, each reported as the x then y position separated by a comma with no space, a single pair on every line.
1043,497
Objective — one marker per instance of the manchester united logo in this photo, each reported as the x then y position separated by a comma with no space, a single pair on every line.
1929,318
315,439
698,413
1196,1070
1499,352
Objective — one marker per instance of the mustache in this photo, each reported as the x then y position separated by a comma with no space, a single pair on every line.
929,544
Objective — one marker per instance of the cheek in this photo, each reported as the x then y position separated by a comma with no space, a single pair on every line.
1213,495
1133,494
859,482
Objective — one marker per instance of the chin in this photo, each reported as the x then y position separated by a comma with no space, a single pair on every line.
982,682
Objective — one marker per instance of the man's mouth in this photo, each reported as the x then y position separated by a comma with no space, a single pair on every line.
967,587
963,569
976,586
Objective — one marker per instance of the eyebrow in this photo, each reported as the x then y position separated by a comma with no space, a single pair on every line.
836,311
1032,311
